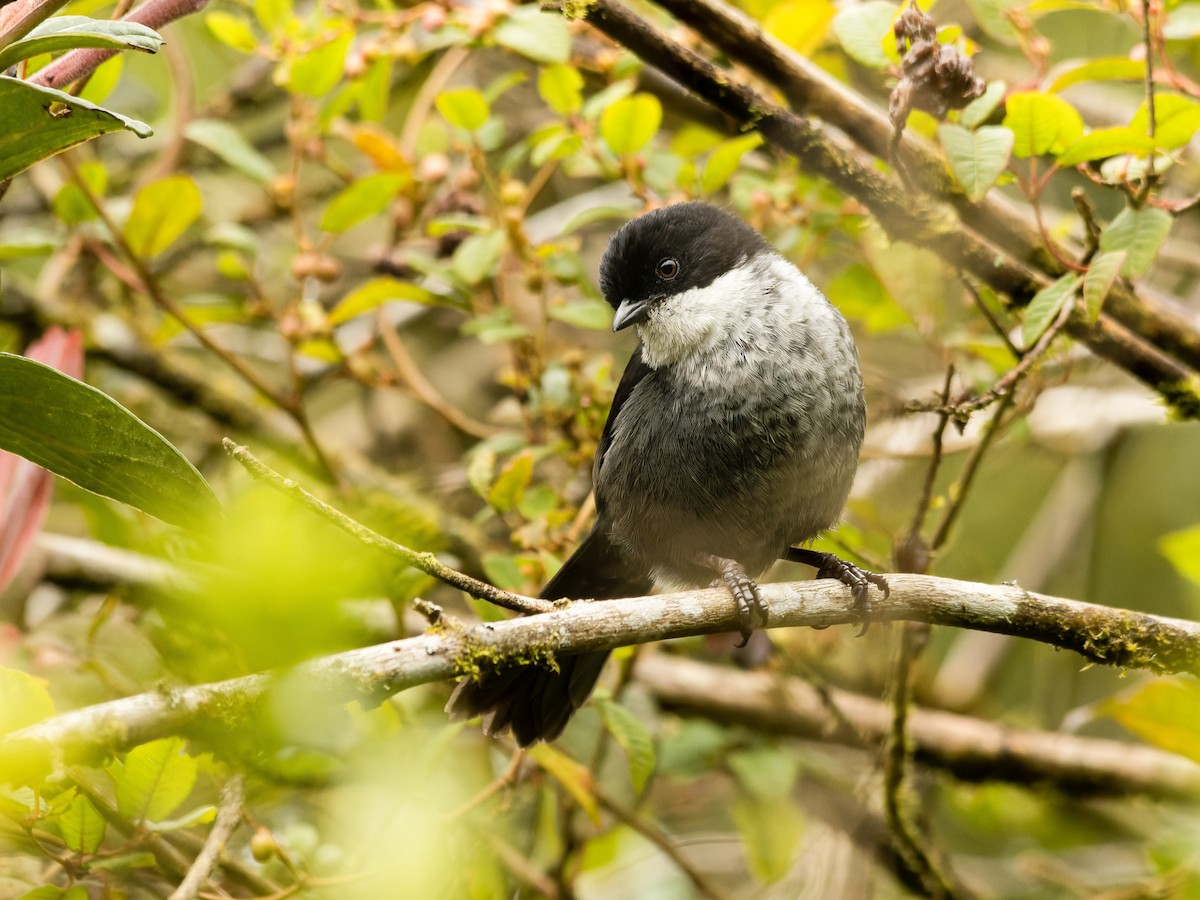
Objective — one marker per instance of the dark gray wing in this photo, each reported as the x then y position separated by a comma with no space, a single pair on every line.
634,372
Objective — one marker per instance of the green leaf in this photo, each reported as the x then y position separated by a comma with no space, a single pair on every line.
603,99
37,127
104,80
1106,68
69,32
561,86
595,315
1176,120
1045,306
764,772
1182,550
509,487
1043,123
1098,280
543,37
574,776
232,31
464,108
23,700
1106,142
770,831
154,779
85,436
980,109
201,815
375,293
138,859
1183,22
361,199
593,214
724,160
976,157
629,124
503,570
1140,232
495,327
801,24
227,144
1165,712
321,69
481,469
633,737
71,205
862,29
476,257
81,827
162,211
272,15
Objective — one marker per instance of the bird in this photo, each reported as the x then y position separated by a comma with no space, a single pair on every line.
733,437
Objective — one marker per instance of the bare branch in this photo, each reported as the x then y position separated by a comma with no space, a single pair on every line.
1100,634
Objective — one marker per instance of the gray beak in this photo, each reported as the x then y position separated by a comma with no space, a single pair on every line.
630,312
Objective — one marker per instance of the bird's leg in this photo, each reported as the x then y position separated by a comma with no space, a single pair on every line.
751,607
858,580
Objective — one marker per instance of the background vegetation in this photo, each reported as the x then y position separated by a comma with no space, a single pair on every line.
362,241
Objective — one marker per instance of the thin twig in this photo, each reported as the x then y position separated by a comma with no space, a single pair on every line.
229,813
426,562
935,461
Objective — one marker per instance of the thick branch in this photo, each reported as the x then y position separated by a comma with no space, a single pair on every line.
913,219
1099,633
970,748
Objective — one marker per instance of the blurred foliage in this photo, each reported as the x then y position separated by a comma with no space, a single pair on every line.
364,238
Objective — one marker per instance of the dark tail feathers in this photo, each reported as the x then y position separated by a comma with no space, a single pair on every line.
537,702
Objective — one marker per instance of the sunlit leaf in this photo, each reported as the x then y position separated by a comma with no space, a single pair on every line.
375,293
1182,549
1176,120
861,30
365,197
770,831
154,779
476,257
231,30
1107,68
23,700
81,827
1103,143
321,69
464,108
40,122
629,124
801,24
574,776
272,14
508,488
541,36
1098,280
561,86
1139,232
201,815
1042,123
633,737
1045,307
981,108
976,157
596,104
725,159
1165,712
595,315
162,211
71,204
1183,22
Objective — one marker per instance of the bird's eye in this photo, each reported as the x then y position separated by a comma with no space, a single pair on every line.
667,268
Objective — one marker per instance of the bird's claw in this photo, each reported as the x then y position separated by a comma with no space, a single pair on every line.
859,582
751,607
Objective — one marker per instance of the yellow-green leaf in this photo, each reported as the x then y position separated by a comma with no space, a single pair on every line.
1098,280
561,86
1045,306
1182,549
1165,712
1105,142
629,124
154,779
861,30
23,700
976,157
321,69
1106,68
724,160
1042,123
162,211
510,484
272,15
1176,120
801,24
375,293
81,826
633,737
981,108
574,776
464,108
232,31
770,831
541,36
1140,232
358,201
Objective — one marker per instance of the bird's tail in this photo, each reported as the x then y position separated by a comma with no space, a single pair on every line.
535,701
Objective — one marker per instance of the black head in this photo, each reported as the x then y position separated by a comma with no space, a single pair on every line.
669,251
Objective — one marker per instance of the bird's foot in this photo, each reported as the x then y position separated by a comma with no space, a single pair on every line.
858,580
751,607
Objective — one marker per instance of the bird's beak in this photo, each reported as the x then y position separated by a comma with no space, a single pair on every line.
630,312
